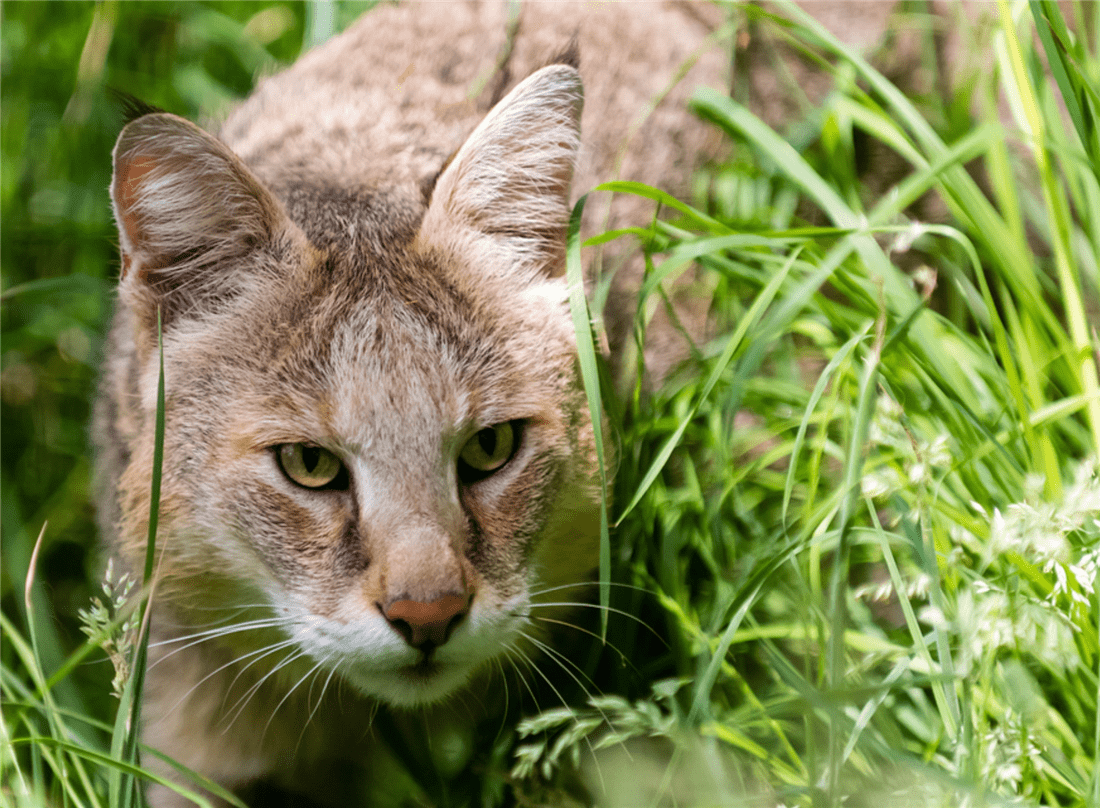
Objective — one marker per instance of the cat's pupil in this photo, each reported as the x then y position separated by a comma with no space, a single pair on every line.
488,440
311,456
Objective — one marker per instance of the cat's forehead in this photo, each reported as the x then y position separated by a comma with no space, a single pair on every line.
365,269
366,338
368,329
351,219
385,328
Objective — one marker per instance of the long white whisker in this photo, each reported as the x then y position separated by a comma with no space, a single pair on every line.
242,702
515,651
223,627
211,634
594,635
563,661
194,607
266,651
286,696
587,584
321,698
536,669
168,623
234,661
582,605
507,692
507,696
557,693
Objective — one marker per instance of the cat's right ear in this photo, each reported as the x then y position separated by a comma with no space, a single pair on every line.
189,216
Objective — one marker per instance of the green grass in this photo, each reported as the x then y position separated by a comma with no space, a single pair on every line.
854,538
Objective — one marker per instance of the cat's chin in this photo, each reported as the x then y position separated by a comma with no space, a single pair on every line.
418,685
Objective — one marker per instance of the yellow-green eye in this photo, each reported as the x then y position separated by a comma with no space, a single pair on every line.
310,466
487,451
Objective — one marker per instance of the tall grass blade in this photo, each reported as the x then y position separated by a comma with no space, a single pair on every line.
1077,94
125,789
590,375
1083,364
815,396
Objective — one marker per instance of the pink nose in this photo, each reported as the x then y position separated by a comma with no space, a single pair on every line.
427,625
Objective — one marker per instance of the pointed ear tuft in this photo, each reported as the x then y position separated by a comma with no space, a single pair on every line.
184,204
510,181
130,106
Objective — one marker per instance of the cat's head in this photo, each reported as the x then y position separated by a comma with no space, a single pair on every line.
375,433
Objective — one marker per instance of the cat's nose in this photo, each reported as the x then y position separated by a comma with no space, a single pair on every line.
427,625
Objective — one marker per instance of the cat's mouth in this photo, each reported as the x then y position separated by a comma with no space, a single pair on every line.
422,670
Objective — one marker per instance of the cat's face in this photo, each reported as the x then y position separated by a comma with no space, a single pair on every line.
375,442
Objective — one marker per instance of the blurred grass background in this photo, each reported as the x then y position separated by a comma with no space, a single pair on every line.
862,516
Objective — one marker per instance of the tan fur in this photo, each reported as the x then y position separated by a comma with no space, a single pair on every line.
318,284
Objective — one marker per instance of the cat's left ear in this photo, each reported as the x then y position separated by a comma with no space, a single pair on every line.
507,188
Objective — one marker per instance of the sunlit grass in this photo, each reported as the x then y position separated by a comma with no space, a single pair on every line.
864,514
884,579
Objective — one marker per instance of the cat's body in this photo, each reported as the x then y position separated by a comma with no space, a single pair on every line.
378,456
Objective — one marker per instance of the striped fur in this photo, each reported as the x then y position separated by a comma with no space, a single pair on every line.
312,292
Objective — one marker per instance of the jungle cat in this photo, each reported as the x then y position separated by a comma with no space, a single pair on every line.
378,473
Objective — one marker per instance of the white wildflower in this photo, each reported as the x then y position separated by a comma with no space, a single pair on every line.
1086,569
1035,533
920,473
932,616
881,482
875,592
936,452
1006,749
961,537
886,428
983,624
921,586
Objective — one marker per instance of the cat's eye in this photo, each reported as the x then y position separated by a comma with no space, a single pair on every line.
487,451
311,466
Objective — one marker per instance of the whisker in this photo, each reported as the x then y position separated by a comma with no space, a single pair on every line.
168,623
507,698
537,670
223,626
234,661
321,698
463,698
596,636
286,696
268,651
557,693
516,656
309,696
563,661
582,605
192,607
212,634
588,584
374,708
242,702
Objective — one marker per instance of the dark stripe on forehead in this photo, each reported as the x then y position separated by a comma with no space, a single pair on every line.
351,219
403,297
369,277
